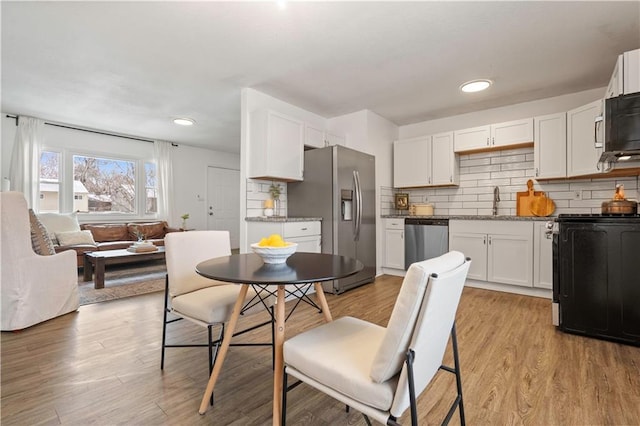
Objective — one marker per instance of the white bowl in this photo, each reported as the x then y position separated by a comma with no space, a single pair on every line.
274,254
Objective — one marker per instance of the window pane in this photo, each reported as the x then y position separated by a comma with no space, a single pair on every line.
108,184
151,187
49,182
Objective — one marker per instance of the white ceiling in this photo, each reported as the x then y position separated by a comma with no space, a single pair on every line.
130,67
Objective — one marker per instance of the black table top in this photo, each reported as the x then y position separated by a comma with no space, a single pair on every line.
300,268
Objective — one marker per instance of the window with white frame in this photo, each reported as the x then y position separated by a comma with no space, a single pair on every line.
99,185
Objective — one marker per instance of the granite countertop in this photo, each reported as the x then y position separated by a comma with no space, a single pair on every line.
472,217
281,219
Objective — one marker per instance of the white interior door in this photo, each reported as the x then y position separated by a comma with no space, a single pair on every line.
223,202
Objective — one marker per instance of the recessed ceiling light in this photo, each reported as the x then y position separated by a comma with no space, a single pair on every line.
184,121
476,85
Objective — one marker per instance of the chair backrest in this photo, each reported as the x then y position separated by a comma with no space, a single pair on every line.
391,354
184,250
431,333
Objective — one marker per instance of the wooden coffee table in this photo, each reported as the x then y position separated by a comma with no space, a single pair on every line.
97,260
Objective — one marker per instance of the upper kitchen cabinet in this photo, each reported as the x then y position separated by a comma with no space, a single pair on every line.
626,75
584,139
550,146
275,146
425,161
314,137
317,138
501,135
412,162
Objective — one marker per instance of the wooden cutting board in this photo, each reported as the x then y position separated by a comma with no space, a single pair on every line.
524,199
542,206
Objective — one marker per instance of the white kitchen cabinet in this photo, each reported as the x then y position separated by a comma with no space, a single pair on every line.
411,162
509,133
444,165
625,78
582,135
394,243
307,234
550,146
616,83
333,139
501,251
631,74
472,138
313,137
275,146
425,161
542,256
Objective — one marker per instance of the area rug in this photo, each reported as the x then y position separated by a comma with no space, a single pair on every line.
124,281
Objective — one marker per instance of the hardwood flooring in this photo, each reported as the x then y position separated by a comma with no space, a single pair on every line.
101,366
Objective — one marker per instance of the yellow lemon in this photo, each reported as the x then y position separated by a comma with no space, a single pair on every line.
263,242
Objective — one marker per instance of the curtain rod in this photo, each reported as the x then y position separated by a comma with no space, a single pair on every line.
90,131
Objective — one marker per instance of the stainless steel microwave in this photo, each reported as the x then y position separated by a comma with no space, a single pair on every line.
622,128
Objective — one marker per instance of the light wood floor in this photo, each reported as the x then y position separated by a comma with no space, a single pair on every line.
101,365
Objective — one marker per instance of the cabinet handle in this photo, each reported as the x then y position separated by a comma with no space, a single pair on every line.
489,240
484,240
303,229
536,171
402,235
487,141
429,179
450,178
493,141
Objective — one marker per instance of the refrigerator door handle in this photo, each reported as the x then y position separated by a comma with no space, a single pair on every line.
358,202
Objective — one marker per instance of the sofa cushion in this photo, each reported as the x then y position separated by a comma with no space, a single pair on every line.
40,240
75,237
108,232
151,230
59,222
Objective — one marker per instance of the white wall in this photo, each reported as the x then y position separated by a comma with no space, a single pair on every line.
498,115
190,163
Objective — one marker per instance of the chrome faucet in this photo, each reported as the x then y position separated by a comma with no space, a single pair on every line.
496,199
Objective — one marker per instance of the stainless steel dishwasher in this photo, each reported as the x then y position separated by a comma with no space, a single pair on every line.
424,239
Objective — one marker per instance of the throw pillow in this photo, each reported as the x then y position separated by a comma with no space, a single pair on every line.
59,222
75,238
40,240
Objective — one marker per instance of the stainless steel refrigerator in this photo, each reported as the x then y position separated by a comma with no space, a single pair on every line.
339,186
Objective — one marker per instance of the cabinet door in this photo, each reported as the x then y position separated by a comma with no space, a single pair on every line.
510,259
631,72
332,139
512,132
411,162
582,154
394,248
475,247
313,137
443,160
470,139
550,146
542,256
616,87
309,244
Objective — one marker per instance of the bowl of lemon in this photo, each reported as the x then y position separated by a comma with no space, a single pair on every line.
274,249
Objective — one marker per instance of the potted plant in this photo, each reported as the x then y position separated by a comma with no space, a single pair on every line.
184,218
275,189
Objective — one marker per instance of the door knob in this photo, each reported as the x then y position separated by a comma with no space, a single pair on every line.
210,213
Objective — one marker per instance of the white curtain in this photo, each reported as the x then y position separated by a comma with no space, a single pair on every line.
24,172
163,155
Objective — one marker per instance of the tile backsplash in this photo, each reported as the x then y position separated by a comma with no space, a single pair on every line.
509,170
258,191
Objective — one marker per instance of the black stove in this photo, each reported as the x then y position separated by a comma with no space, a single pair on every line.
598,217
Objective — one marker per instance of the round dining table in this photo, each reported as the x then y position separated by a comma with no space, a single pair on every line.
248,269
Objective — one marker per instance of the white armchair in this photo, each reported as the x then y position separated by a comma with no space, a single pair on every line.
381,371
34,288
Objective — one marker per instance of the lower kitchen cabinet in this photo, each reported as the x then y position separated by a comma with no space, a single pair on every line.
306,234
500,251
394,243
542,256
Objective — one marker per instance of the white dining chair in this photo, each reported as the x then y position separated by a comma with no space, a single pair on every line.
381,371
201,300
